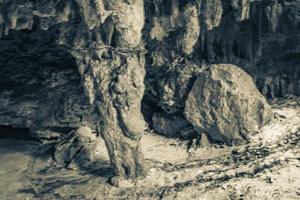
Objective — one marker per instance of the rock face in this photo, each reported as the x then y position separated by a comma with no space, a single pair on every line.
104,37
108,40
40,86
261,37
258,36
175,87
225,104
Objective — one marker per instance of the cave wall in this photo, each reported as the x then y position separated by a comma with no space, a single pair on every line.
115,43
262,37
40,85
104,38
181,38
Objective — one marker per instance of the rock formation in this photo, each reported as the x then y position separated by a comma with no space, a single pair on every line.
40,86
258,36
104,37
261,37
225,104
107,40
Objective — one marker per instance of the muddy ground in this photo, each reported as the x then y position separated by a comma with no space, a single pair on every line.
266,168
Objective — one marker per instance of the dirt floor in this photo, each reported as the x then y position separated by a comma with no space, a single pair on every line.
267,168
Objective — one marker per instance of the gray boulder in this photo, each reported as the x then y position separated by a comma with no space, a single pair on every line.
225,104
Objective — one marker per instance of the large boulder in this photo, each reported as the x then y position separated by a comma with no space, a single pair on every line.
225,104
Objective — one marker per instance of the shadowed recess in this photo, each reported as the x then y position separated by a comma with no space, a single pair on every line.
9,132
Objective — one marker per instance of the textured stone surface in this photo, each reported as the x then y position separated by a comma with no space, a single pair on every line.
104,37
79,149
225,104
40,86
261,37
172,126
268,166
108,40
191,31
175,87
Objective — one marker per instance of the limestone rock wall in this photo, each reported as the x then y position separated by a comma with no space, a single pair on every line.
104,38
261,37
182,38
40,85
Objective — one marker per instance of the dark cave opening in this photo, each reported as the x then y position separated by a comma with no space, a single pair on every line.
10,132
39,86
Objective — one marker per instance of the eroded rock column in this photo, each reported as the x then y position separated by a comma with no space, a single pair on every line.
113,76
